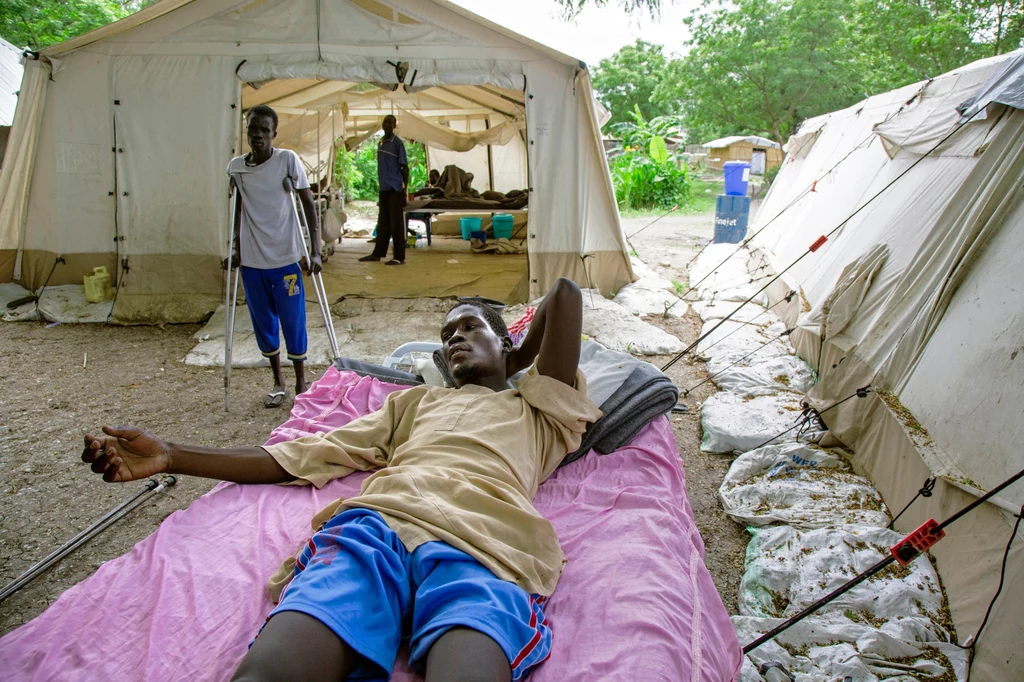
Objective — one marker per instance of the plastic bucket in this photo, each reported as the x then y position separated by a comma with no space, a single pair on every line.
731,216
502,225
479,235
737,175
468,225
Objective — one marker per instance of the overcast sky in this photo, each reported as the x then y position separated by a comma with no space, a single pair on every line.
596,33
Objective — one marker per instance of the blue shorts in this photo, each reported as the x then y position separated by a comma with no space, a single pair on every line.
356,577
277,301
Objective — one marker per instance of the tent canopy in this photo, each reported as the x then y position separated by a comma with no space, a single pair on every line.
917,294
166,88
733,139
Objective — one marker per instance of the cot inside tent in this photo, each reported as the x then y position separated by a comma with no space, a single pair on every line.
123,135
917,293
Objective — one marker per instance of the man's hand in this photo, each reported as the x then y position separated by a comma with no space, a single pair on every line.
236,258
315,266
126,454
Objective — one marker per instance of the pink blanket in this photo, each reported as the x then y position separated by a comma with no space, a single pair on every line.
636,601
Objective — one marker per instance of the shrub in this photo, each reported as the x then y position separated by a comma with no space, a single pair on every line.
641,182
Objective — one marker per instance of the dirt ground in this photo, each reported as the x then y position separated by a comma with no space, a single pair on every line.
62,381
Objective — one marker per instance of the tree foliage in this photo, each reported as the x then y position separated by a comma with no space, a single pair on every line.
629,78
571,8
40,23
763,66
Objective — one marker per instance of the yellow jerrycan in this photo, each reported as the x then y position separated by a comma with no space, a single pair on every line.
98,285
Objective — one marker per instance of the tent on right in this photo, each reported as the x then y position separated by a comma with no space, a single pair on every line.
918,292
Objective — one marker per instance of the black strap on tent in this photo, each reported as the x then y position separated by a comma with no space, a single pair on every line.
885,562
925,491
973,641
821,240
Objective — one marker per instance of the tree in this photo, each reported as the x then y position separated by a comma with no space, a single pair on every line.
574,7
763,66
629,78
40,23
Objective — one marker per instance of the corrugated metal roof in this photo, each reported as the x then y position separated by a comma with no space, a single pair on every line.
10,81
752,139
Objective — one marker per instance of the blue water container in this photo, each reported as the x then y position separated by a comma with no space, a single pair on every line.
737,175
731,216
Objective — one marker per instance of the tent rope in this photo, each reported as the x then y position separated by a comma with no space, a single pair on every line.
925,491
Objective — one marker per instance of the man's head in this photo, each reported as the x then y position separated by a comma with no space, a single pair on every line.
261,128
433,176
475,344
388,124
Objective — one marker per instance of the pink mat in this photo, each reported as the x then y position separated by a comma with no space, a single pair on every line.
636,601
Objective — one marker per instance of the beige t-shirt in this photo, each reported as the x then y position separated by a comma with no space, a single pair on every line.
457,465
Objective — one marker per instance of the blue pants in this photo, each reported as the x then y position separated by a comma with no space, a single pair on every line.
277,301
356,577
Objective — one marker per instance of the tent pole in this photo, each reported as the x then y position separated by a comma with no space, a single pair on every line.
490,156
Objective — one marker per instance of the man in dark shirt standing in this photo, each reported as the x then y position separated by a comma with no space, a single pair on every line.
393,174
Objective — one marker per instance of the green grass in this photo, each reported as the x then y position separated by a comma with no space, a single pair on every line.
701,201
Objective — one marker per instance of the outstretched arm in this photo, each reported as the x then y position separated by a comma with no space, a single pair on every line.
554,336
129,454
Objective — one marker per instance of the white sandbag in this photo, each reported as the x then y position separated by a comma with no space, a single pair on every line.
832,647
800,485
67,304
10,291
781,372
787,570
736,289
650,294
720,259
729,341
616,328
737,423
751,312
887,626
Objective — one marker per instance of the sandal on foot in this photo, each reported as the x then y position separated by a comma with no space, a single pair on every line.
395,262
370,259
275,399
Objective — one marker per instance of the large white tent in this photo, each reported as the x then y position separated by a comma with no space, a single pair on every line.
122,136
919,295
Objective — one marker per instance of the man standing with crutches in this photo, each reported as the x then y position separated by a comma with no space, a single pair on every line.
269,245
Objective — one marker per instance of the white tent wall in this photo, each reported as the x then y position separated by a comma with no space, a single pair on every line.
179,66
936,317
473,161
17,168
570,185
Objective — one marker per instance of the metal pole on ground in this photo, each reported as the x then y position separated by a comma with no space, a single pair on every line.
111,517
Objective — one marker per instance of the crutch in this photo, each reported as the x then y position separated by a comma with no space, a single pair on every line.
318,280
230,299
152,487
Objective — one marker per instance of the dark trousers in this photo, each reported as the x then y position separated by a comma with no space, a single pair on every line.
390,224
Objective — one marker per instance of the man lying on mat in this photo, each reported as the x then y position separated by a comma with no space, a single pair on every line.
443,545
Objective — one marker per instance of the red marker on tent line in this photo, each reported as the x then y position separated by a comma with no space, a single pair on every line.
921,540
817,244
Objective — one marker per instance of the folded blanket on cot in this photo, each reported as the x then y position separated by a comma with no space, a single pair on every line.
635,602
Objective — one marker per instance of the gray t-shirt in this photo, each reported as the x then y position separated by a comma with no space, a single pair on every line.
269,236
